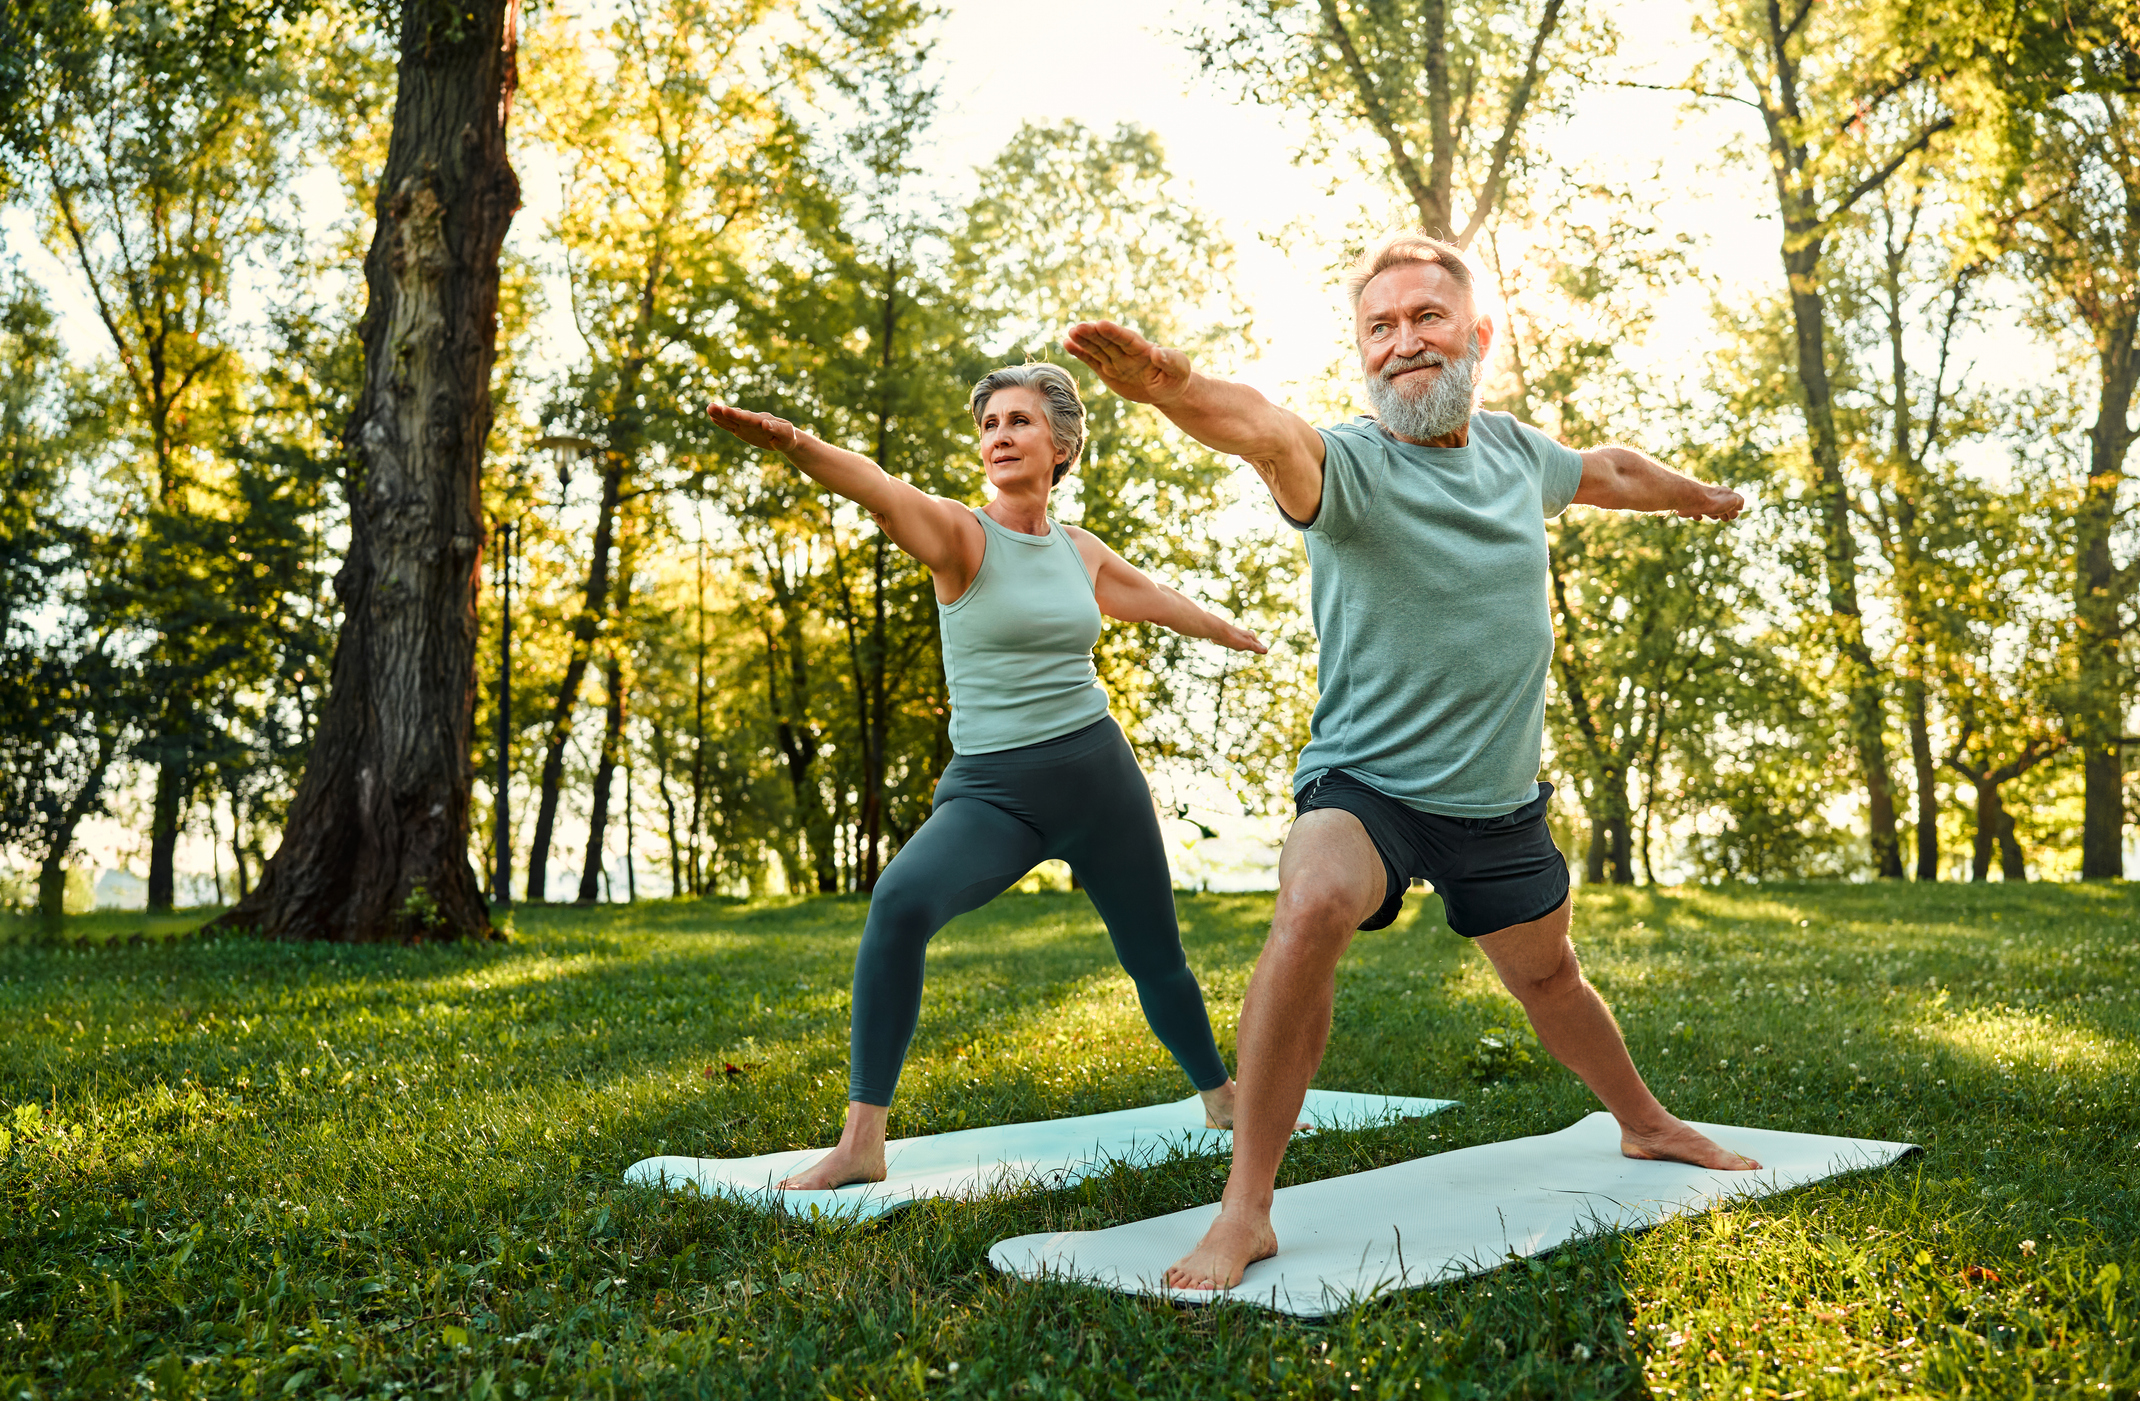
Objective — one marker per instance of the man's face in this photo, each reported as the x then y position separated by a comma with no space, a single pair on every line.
1414,308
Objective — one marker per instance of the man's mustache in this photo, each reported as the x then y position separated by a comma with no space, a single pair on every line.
1425,359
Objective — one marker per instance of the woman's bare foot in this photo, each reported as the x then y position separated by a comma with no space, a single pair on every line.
858,1158
1677,1142
1238,1239
838,1168
1219,1107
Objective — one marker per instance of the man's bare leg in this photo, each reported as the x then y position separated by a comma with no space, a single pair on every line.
1537,963
858,1158
1329,879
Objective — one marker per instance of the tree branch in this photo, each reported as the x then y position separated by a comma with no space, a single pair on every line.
1879,177
1490,192
1378,115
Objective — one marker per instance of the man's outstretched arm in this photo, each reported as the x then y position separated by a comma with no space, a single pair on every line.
1283,447
1621,479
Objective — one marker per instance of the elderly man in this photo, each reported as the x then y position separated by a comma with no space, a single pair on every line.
1426,541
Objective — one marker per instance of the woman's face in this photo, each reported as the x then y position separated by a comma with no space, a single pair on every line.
1017,450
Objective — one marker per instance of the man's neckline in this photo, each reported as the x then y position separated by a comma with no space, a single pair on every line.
1469,436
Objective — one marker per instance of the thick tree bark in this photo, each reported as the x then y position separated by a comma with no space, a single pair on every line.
164,809
584,629
2100,591
605,774
377,842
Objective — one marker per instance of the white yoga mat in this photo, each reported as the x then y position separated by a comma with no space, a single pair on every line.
972,1162
1348,1239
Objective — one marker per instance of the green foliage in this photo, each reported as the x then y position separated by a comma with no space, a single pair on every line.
238,1168
1501,1052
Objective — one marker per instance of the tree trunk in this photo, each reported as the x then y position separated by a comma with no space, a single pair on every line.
2099,592
377,842
2011,864
658,743
501,884
605,773
698,721
584,629
1612,837
238,843
1990,814
164,812
799,746
52,872
1868,721
1927,772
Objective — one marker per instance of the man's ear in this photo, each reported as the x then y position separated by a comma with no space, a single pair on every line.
1482,330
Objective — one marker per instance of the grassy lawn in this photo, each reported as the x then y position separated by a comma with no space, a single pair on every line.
237,1169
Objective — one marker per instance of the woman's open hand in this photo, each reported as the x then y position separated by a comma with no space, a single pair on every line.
760,430
1239,638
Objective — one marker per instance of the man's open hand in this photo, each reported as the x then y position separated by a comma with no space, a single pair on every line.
1723,504
1127,363
760,430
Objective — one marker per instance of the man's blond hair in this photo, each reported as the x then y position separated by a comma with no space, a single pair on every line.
1398,249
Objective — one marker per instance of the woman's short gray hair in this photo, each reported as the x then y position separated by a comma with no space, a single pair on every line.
1065,407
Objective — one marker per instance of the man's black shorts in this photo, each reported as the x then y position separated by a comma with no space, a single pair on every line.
1491,872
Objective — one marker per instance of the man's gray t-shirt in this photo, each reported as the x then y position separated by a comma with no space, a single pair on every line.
1429,578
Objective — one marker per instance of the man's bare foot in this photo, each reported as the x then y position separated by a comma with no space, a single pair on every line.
1234,1242
838,1168
1678,1142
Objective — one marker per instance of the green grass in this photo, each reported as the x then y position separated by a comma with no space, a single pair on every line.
239,1169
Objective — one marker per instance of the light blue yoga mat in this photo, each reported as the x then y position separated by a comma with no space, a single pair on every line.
1345,1240
974,1162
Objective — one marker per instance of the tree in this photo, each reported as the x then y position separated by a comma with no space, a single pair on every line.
377,841
2002,669
1452,85
671,151
68,695
1914,287
159,158
2075,221
1645,609
1849,93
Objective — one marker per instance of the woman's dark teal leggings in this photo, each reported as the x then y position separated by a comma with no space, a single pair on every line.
1080,798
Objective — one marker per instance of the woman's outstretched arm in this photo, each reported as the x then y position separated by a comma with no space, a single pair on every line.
1127,593
939,533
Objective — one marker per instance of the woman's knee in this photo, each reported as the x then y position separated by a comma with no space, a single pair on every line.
1155,960
902,909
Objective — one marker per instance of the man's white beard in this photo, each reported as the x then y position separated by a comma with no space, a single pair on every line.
1436,411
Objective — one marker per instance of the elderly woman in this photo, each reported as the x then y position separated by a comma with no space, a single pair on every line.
1039,768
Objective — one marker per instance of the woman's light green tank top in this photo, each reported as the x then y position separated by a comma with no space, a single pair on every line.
1018,643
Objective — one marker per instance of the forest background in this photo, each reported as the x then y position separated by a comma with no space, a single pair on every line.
1910,658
